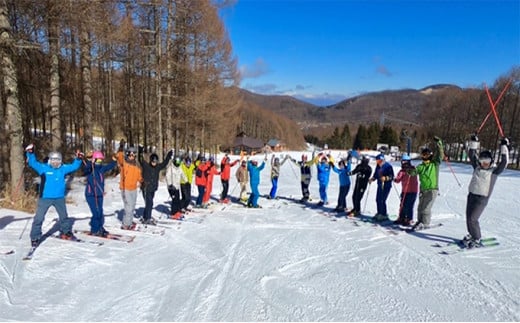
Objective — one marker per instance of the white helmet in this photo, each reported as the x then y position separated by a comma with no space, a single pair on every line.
54,159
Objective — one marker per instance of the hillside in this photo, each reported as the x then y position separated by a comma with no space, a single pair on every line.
399,107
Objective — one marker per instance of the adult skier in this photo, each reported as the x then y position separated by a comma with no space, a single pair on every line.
174,178
242,176
481,186
51,191
254,180
188,169
384,175
151,173
306,175
362,172
343,171
129,182
225,174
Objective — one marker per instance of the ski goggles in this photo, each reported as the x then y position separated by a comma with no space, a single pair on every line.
98,161
484,160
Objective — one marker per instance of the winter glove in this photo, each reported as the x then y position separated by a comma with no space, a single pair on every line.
29,148
436,139
331,164
169,155
504,141
79,154
349,155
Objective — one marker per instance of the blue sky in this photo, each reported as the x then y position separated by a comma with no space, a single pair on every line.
325,51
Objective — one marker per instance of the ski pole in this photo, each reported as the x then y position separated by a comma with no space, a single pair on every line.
451,169
493,109
493,105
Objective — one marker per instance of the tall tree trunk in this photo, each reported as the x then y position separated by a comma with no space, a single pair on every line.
86,82
14,114
54,83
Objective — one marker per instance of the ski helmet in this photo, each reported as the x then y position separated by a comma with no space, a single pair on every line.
54,159
154,158
426,153
177,161
98,155
485,157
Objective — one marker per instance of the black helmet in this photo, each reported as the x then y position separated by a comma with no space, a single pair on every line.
154,158
426,154
177,161
485,157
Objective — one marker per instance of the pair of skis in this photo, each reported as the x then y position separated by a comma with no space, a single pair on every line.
458,246
33,249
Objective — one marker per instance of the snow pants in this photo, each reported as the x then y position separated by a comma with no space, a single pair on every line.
342,196
424,210
407,205
129,199
323,192
148,195
186,195
225,189
474,208
176,199
43,205
305,182
274,187
357,196
95,203
202,190
255,194
382,195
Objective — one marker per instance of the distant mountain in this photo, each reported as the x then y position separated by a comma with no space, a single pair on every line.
399,107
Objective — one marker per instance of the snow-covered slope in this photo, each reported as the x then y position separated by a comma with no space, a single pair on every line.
283,262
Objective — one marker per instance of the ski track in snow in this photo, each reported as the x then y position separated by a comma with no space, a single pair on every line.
283,262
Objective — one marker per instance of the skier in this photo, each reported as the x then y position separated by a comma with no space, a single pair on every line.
242,176
201,180
130,181
210,173
384,174
306,175
52,192
151,173
275,173
95,190
481,186
324,167
362,172
174,178
254,181
409,189
343,171
188,168
428,172
225,174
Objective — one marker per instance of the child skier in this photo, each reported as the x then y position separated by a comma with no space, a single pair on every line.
225,174
322,164
242,176
409,189
275,173
174,178
305,178
95,191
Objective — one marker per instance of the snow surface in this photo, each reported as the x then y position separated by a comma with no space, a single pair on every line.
282,262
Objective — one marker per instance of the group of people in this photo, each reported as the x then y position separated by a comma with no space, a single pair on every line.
419,180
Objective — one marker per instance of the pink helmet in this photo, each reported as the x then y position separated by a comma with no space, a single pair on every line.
98,155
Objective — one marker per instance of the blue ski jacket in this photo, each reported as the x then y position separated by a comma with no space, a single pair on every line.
254,173
96,179
344,178
52,184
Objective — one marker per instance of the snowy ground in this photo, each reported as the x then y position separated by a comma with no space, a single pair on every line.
278,263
